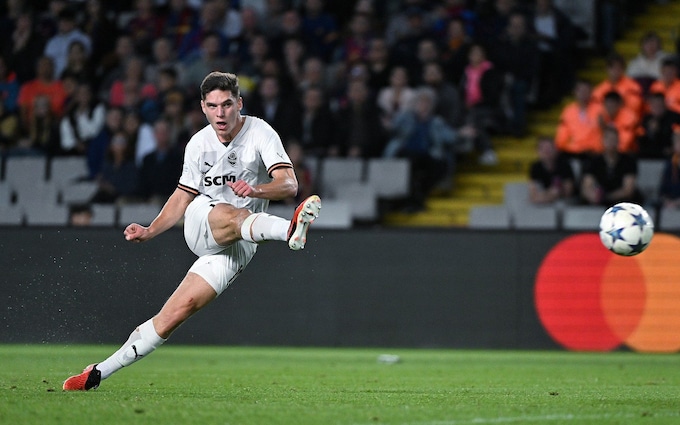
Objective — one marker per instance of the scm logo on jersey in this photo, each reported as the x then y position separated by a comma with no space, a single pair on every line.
218,180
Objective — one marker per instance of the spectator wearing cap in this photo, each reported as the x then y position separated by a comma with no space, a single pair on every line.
57,47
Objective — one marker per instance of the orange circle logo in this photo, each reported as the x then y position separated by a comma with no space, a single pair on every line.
589,299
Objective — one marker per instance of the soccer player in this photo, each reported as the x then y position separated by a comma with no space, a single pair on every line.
232,168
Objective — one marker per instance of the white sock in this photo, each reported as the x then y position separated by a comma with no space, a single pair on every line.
142,342
258,227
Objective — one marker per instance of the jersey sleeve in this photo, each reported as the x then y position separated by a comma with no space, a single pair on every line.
273,154
190,180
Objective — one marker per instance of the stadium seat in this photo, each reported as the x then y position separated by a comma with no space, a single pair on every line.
391,178
489,217
68,169
39,195
11,215
335,214
649,178
103,215
544,217
77,192
47,215
335,172
669,219
516,196
23,171
5,194
582,217
137,213
362,200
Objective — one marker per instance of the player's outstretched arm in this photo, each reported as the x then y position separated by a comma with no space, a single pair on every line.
172,212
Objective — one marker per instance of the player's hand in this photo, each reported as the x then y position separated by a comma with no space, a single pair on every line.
136,233
241,188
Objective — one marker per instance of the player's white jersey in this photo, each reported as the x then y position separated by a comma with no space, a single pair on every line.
253,154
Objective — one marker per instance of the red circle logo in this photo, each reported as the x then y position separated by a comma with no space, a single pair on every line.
589,299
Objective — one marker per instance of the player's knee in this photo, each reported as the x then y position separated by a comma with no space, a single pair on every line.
225,222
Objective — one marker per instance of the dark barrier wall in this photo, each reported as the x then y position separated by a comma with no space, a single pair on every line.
387,288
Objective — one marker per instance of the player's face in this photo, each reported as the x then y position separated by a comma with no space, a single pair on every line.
223,112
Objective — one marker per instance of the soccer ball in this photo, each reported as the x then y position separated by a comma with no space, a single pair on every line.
626,229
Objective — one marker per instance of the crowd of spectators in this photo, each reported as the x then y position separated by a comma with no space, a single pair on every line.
117,82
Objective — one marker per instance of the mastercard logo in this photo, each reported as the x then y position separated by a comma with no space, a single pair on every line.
589,299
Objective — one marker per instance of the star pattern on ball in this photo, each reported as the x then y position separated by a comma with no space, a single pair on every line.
617,208
638,247
616,234
639,220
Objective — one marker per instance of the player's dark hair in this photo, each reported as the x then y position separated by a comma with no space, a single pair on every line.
224,81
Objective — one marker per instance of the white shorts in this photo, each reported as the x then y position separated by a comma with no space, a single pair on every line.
218,265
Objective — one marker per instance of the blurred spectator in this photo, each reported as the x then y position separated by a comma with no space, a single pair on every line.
645,67
557,37
313,74
258,52
195,121
551,176
668,84
355,45
101,30
616,80
405,48
208,60
163,57
305,177
319,29
610,177
281,112
669,188
173,110
426,140
657,128
82,122
449,101
99,145
58,46
456,51
160,168
24,47
41,130
578,132
378,63
112,66
615,114
80,215
230,19
9,130
396,97
9,87
293,61
47,24
516,55
78,63
44,85
208,24
318,126
132,90
427,52
360,134
286,26
140,135
118,180
144,26
179,21
494,16
482,86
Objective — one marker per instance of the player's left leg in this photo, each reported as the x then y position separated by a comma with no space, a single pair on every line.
229,224
192,294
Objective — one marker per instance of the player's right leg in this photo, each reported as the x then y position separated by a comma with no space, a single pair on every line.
192,294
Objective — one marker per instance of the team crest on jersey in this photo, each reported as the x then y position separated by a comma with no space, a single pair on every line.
232,158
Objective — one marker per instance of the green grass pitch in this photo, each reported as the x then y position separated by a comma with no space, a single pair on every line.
324,386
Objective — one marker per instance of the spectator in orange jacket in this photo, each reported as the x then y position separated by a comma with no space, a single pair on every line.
617,81
578,132
668,84
617,115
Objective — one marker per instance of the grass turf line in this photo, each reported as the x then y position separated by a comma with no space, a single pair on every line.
263,385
